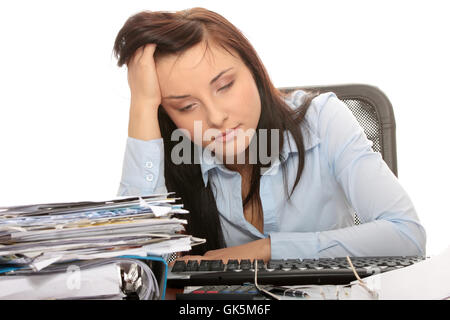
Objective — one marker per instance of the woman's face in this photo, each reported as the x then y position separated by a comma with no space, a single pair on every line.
213,91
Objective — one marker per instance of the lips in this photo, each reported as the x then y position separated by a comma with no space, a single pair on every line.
227,135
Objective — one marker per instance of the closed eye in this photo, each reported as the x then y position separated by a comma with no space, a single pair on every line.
189,107
227,86
186,108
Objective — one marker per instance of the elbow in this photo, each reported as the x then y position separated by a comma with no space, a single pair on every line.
127,190
422,239
415,237
123,190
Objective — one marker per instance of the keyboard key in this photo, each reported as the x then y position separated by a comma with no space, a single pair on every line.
232,265
274,265
216,265
261,264
246,264
179,266
192,265
391,264
204,265
286,264
233,262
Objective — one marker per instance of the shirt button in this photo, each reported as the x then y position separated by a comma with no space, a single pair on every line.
149,177
149,164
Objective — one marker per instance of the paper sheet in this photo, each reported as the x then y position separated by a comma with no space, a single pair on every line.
425,280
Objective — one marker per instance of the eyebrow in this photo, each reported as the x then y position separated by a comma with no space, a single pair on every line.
210,83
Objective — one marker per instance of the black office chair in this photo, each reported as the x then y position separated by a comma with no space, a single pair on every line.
374,113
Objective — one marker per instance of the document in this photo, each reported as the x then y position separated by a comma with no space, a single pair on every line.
39,235
425,280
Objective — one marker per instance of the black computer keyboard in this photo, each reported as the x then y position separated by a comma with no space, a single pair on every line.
282,272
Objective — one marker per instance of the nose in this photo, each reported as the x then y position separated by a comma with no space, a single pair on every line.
215,116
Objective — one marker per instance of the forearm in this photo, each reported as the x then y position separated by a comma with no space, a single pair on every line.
376,238
258,249
143,121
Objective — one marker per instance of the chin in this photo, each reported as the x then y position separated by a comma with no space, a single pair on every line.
232,153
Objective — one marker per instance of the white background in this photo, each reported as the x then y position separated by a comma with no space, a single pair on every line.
64,102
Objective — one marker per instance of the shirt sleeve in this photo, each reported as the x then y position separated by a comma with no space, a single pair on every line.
389,222
143,168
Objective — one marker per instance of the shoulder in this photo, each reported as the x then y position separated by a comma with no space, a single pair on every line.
325,111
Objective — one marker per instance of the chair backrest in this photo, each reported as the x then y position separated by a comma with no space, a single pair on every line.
373,111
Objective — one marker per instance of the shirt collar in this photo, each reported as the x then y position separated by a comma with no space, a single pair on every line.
209,162
310,140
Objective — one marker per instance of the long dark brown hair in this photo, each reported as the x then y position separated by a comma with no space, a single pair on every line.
174,33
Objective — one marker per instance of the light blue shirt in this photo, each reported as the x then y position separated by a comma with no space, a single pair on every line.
342,175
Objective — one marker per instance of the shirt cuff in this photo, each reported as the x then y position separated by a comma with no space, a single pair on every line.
143,167
294,245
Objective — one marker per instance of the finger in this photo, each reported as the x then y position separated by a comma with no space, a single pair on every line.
141,53
135,56
212,256
149,48
147,52
186,258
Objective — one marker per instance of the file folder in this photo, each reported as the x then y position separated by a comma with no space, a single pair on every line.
56,282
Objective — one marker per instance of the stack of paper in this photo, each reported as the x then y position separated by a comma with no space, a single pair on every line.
39,236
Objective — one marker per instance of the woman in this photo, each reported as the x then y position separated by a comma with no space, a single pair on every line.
194,71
